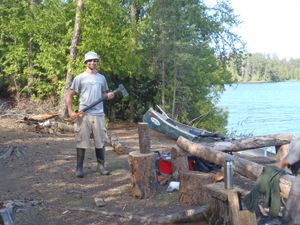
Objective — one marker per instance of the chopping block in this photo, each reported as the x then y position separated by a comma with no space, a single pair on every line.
225,206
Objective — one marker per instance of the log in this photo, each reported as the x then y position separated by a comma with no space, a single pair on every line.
117,146
63,127
177,152
249,143
195,214
191,192
281,152
41,117
143,174
179,162
144,137
225,207
237,216
242,166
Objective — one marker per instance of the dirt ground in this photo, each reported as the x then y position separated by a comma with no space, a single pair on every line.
40,178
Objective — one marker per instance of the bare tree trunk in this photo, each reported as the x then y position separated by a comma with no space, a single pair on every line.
134,16
163,86
131,96
175,74
174,91
163,68
73,48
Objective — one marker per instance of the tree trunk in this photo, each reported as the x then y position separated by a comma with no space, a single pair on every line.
73,48
134,17
276,140
132,91
143,174
174,90
242,166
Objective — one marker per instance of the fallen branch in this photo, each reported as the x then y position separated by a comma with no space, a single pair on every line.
190,215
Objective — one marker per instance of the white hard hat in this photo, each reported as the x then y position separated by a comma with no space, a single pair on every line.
90,55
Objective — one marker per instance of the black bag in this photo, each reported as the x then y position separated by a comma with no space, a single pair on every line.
295,168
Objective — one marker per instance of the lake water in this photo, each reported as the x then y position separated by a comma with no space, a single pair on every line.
263,108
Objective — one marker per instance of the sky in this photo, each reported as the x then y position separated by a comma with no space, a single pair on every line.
270,26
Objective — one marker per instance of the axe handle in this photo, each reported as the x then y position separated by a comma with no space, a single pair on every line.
97,102
93,104
81,113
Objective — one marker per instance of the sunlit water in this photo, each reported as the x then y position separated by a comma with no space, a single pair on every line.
263,108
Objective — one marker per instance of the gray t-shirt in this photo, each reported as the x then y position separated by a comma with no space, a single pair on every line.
90,88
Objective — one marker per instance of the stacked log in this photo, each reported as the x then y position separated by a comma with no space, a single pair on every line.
256,142
242,166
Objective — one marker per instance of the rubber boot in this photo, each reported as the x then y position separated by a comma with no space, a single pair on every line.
80,158
100,152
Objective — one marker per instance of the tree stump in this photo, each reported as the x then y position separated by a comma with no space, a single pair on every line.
224,207
143,174
179,162
191,191
144,137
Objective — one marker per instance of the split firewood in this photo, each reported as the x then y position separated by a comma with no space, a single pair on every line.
162,180
117,146
218,176
41,117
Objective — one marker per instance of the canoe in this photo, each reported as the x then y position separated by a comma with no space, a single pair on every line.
160,122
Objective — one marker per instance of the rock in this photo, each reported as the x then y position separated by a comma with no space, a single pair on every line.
100,202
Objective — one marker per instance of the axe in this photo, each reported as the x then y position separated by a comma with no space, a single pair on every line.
121,89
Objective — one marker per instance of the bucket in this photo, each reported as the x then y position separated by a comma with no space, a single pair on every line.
165,164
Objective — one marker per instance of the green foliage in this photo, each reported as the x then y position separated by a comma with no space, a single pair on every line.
180,38
34,46
170,50
262,67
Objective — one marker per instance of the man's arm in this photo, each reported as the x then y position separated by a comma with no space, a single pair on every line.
69,102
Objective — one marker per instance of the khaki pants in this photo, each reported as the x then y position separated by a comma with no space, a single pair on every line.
90,126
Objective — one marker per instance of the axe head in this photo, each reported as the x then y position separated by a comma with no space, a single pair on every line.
122,89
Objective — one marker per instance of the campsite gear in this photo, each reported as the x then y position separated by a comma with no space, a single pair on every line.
228,174
267,184
7,215
80,159
295,168
163,124
173,186
101,160
165,165
197,164
120,89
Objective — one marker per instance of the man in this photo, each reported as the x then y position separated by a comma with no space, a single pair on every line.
90,86
292,160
